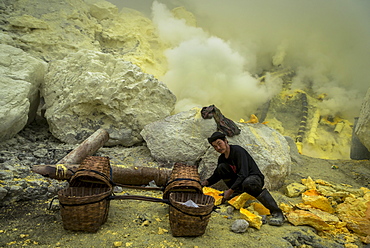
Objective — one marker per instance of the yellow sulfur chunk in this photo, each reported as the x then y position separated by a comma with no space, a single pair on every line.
316,200
286,208
253,220
239,200
253,119
309,183
214,193
260,209
306,218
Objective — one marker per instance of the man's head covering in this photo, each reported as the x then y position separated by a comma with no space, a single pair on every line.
215,136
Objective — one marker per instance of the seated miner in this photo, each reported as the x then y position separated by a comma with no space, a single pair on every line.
240,173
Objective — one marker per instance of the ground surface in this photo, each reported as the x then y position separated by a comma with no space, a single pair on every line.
133,223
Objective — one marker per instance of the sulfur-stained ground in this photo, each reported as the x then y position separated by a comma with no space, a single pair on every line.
133,223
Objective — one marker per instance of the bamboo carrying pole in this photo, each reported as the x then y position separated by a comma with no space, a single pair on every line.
86,148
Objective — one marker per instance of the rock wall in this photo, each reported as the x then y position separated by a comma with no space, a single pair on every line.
51,29
89,90
21,77
363,125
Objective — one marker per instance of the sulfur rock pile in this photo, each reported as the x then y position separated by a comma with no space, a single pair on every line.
333,210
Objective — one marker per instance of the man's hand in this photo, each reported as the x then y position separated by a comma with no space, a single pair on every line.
205,183
228,193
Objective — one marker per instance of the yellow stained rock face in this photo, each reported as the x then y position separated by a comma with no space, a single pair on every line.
214,193
366,239
295,189
253,219
310,184
322,182
285,207
315,199
239,201
301,217
333,217
356,212
253,119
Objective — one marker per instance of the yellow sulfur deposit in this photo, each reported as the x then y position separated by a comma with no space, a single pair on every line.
214,193
61,170
346,213
301,217
260,209
355,211
286,208
309,183
253,119
239,200
316,200
253,219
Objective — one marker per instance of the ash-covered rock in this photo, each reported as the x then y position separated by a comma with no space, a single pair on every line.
33,145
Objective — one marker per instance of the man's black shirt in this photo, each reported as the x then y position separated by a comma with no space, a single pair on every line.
243,163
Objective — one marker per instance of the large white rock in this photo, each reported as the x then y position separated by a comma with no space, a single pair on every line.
103,10
27,21
268,148
90,90
21,76
363,125
51,29
179,138
183,138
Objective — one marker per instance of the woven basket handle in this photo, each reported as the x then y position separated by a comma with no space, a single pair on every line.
182,179
101,174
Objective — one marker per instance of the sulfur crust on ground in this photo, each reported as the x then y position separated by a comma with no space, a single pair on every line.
133,223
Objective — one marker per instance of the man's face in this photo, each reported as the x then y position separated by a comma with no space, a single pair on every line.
220,145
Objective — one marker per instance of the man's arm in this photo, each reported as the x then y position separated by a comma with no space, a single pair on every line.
213,179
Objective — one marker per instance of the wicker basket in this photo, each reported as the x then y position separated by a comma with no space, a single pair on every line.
85,203
93,169
84,209
184,178
189,221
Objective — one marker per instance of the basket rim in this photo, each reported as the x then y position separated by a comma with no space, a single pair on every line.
204,210
71,199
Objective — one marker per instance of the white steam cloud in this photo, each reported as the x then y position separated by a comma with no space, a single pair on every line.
326,42
205,70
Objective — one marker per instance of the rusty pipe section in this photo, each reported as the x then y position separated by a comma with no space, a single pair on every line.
88,147
140,175
120,175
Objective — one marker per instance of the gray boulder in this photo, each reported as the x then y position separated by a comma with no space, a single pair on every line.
239,226
20,80
183,138
89,90
179,138
363,125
